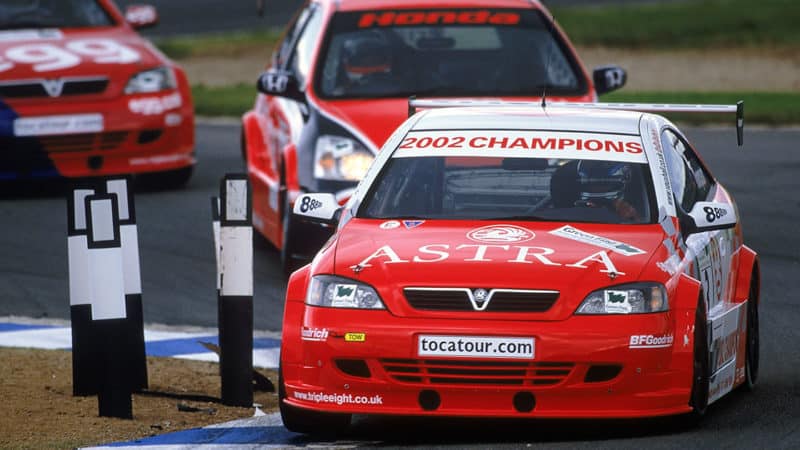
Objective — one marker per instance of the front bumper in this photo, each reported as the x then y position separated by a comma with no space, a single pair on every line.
128,135
582,367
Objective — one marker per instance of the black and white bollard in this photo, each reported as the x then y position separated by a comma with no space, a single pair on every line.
129,241
107,294
84,348
236,291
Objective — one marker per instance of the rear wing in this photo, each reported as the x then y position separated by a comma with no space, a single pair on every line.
738,108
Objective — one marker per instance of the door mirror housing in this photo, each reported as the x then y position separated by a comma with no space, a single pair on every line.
318,208
141,16
281,83
709,216
609,78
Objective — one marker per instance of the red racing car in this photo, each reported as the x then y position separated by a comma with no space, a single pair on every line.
521,261
82,94
340,79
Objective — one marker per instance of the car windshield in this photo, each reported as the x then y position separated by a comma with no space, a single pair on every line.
21,14
444,53
509,188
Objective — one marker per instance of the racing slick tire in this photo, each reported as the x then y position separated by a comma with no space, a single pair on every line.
698,399
300,420
290,244
751,354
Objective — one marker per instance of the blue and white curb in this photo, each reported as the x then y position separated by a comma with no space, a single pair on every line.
159,341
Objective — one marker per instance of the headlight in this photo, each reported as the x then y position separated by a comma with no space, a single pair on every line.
340,158
153,80
635,298
336,292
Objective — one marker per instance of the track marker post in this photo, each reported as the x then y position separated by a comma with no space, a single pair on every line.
129,241
85,364
107,294
236,291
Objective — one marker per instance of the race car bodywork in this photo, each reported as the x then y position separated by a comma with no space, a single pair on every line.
82,94
482,268
340,78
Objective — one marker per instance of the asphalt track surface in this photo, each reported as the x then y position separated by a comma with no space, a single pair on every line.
178,273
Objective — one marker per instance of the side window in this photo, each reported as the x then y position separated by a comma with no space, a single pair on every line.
701,177
683,182
300,60
284,48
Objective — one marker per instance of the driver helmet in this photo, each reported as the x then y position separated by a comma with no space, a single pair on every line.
602,181
366,54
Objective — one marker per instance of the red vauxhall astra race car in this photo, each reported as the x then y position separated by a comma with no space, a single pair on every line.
517,261
340,79
82,94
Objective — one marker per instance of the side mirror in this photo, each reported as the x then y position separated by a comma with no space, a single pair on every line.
609,78
281,83
141,16
708,216
319,208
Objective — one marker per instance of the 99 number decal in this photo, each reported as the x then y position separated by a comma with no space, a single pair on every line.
713,214
47,57
309,204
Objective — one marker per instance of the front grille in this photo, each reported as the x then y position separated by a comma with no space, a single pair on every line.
67,142
497,300
464,372
38,88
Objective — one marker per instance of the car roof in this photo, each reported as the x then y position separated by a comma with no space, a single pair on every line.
560,118
358,5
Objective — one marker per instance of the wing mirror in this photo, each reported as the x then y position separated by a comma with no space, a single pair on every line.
282,83
708,216
141,16
319,208
609,78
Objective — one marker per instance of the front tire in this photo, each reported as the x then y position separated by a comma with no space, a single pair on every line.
751,355
301,420
698,398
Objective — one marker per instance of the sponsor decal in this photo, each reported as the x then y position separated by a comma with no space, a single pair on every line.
661,168
409,224
390,225
355,337
462,17
434,253
161,159
309,204
338,398
64,124
476,346
314,334
343,295
534,144
650,341
570,232
500,234
150,106
45,57
721,382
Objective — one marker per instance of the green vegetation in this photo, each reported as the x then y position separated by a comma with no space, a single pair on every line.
230,101
687,24
759,107
224,44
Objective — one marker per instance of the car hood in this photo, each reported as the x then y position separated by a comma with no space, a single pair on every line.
53,53
374,120
573,259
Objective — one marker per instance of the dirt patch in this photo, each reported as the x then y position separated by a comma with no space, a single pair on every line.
770,70
39,410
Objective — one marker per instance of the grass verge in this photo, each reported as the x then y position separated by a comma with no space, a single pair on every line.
669,25
686,24
760,107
